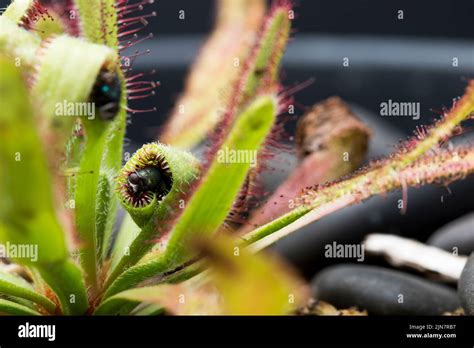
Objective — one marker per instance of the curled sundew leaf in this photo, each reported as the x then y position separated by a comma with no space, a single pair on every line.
27,210
16,286
237,283
152,177
214,195
57,78
222,57
61,58
149,187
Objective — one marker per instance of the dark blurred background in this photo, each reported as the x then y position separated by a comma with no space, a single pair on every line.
404,60
427,18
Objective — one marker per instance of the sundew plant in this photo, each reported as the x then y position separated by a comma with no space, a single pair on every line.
67,88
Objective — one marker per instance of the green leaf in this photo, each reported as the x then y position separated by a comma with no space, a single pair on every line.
86,200
27,211
101,155
12,308
66,280
272,45
210,204
103,149
149,310
16,286
26,208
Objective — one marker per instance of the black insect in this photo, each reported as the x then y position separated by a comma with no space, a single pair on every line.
106,94
148,179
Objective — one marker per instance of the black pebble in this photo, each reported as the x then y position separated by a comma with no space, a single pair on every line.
466,287
457,234
378,290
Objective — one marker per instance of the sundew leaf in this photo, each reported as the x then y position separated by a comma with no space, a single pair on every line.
61,59
12,308
412,165
267,57
58,79
210,204
182,168
259,70
99,24
15,286
223,57
27,212
99,21
215,195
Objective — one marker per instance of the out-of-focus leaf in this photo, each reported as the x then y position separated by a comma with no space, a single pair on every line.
252,284
18,43
222,57
16,286
99,21
27,212
17,10
237,283
26,207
